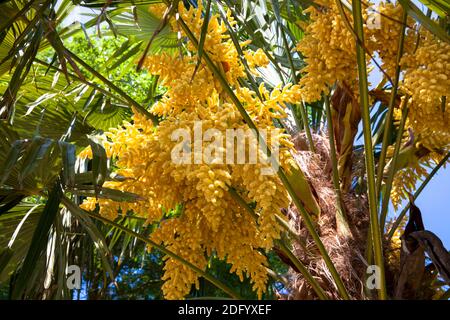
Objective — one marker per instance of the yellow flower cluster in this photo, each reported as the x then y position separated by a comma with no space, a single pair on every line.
210,222
188,85
183,90
256,59
329,46
415,168
157,10
427,80
395,245
384,37
329,51
405,181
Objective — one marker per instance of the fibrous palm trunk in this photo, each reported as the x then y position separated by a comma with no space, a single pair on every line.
346,252
407,274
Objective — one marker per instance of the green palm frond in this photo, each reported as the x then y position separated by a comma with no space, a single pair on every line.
17,230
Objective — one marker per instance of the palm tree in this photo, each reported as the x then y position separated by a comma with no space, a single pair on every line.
61,92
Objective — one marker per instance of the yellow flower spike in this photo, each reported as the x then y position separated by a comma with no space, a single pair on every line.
86,153
427,79
210,221
157,9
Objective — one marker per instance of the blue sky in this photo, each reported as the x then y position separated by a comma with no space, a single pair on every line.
434,203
